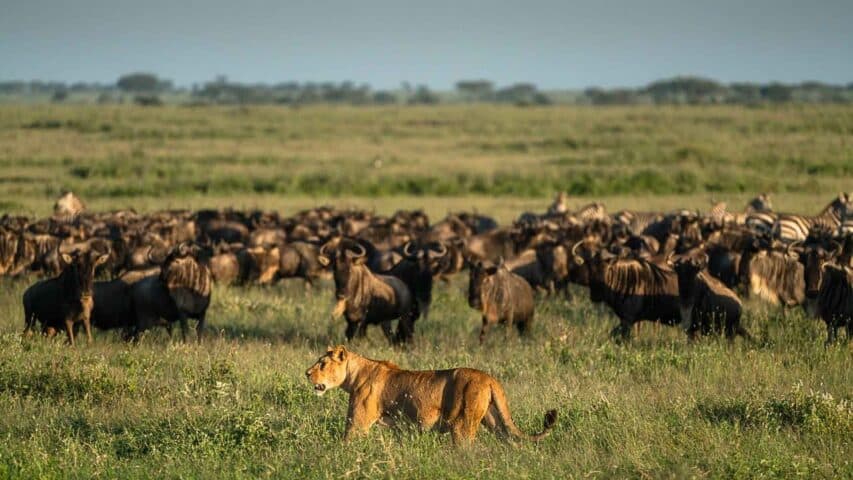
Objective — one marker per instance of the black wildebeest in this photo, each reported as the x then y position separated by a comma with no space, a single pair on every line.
500,296
180,291
705,303
65,301
365,298
635,288
835,300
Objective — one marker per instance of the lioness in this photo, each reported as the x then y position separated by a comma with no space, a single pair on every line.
457,400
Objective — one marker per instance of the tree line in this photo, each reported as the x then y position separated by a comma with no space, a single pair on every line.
149,89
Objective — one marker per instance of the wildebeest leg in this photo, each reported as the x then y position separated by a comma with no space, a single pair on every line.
69,329
831,333
199,329
49,332
406,327
29,322
389,333
184,327
87,325
623,330
352,327
484,329
362,329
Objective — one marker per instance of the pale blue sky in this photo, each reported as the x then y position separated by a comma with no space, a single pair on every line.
555,44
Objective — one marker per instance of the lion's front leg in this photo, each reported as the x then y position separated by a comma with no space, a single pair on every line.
361,415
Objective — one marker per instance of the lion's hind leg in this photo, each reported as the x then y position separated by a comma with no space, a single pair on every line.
475,405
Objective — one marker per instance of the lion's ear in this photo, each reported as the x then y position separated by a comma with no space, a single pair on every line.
341,353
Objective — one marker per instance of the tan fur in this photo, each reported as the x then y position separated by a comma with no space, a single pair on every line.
364,286
456,400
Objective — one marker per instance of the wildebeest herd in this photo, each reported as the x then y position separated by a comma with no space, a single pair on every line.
678,268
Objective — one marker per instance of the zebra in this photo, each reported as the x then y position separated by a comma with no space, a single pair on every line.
846,228
637,222
593,211
791,227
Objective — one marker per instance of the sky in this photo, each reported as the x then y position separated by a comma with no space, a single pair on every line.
554,44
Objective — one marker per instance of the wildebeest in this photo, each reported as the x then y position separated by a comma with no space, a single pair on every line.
300,260
418,265
365,298
113,307
65,301
180,291
500,296
774,276
636,289
835,300
706,305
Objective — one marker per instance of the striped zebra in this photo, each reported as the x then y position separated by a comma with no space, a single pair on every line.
791,227
637,222
758,214
593,211
846,228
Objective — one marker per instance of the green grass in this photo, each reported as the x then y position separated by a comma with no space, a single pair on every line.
239,404
125,152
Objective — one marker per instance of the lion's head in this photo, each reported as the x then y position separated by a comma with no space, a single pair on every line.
330,371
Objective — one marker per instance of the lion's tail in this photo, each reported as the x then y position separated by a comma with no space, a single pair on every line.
500,404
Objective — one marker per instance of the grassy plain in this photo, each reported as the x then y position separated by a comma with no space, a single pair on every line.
238,406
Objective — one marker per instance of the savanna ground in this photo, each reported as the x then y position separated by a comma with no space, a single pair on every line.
239,405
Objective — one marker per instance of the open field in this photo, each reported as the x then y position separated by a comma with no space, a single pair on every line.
239,406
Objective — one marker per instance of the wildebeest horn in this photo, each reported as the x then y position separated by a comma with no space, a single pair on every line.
361,252
442,250
575,247
407,249
323,249
838,247
792,244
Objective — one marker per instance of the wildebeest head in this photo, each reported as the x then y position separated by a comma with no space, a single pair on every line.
81,264
428,256
591,259
689,264
342,254
813,256
761,203
478,273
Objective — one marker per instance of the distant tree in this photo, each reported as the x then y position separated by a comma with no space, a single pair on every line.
384,97
776,92
59,96
424,96
475,89
519,93
744,93
139,82
689,89
147,100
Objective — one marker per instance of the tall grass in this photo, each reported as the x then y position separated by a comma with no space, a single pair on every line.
239,405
